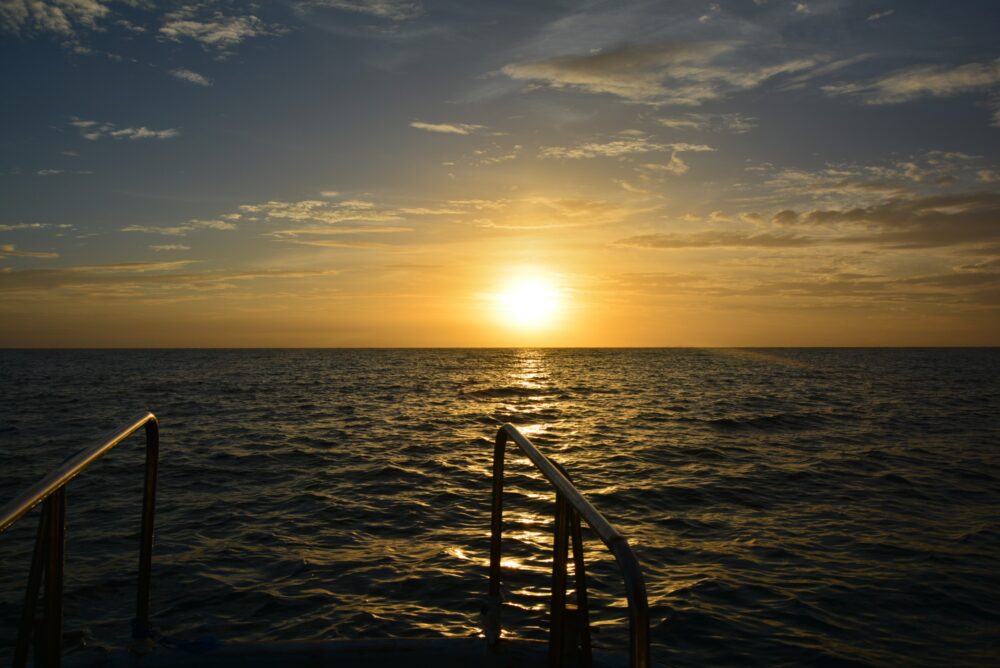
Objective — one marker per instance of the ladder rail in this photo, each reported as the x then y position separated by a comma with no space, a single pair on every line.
566,493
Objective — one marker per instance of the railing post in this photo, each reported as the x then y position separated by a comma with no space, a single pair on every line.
582,604
638,606
557,616
141,629
491,622
27,627
50,639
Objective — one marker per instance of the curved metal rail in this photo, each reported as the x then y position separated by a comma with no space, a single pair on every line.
50,543
570,506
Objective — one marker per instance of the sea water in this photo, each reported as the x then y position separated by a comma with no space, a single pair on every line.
789,506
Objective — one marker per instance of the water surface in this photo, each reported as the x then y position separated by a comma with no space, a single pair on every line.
790,507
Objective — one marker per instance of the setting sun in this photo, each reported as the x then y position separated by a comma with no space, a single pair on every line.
529,302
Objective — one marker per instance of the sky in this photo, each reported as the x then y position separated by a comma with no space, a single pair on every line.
519,173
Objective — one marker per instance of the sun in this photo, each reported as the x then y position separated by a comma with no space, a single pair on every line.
530,302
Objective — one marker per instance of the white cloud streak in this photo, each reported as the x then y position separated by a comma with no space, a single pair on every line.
448,128
94,130
190,76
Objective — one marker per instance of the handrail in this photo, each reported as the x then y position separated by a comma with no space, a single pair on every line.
49,549
567,495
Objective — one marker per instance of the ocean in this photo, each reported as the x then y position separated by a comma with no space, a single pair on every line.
790,507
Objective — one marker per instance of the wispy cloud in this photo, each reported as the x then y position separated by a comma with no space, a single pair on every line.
320,212
680,73
395,10
62,17
716,239
132,279
448,128
881,15
181,230
56,172
924,222
923,81
541,212
22,226
617,148
713,11
9,250
735,122
190,76
341,229
94,130
212,29
165,248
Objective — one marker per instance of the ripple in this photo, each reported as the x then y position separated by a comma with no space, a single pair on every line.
790,507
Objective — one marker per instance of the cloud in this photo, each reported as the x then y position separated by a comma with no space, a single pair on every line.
683,73
617,148
801,8
969,219
213,30
800,80
631,72
185,74
881,15
181,230
56,172
923,81
674,166
341,229
395,10
94,130
540,212
9,250
715,239
850,183
923,222
22,226
62,17
320,212
736,123
131,279
448,128
161,248
713,11
495,154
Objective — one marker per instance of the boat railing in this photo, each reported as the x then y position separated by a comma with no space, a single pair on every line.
569,624
50,545
569,629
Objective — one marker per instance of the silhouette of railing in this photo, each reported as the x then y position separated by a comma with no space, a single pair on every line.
50,545
569,630
569,625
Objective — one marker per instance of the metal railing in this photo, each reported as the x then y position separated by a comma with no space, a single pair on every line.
568,626
50,545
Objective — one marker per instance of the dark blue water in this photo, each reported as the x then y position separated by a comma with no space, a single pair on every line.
790,507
